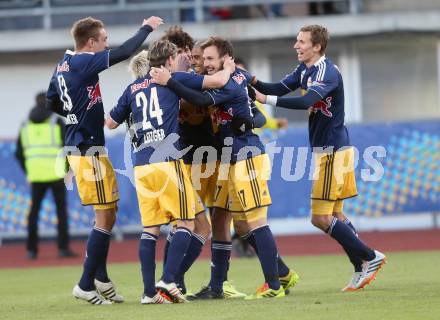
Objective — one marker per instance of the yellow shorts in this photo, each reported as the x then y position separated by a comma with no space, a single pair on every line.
164,193
242,186
251,215
96,181
334,181
204,178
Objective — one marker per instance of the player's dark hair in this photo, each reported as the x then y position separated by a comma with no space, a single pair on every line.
240,61
180,38
40,99
319,35
84,29
160,51
224,47
198,43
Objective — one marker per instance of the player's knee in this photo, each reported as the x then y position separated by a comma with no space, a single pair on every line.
339,215
220,218
187,224
221,222
105,218
320,221
202,226
152,230
241,228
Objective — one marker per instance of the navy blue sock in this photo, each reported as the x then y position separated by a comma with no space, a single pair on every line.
101,271
193,252
355,260
167,245
95,255
176,252
267,253
220,255
147,255
348,223
283,269
225,278
347,239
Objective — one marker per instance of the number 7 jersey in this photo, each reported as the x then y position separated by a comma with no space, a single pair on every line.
75,81
154,113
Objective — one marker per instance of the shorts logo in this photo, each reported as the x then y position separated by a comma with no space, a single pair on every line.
324,106
94,95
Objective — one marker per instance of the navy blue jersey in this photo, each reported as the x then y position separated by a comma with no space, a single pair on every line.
154,111
75,81
232,101
326,119
196,130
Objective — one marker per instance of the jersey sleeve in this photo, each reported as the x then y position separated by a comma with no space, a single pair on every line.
92,63
224,94
122,111
325,82
190,80
292,81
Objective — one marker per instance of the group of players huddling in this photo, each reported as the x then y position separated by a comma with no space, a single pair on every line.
190,114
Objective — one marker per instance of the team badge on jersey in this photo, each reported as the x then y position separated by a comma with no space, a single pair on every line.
239,78
221,116
324,106
94,95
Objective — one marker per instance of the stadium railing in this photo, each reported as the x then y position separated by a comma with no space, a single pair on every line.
46,11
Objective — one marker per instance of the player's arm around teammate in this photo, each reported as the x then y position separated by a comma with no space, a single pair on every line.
160,200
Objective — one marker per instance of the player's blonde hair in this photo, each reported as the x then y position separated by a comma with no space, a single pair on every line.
139,64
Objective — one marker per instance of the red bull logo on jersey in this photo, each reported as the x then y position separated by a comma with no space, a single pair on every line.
324,106
63,67
94,95
239,78
221,116
137,86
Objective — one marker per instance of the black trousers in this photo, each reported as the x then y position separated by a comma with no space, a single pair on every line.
59,194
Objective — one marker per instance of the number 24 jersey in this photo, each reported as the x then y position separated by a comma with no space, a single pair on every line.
154,112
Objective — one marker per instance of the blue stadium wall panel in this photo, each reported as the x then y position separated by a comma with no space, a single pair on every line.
410,181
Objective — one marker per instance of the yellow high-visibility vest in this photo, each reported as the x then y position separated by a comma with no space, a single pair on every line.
41,144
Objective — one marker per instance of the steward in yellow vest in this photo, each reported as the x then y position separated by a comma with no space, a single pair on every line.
40,140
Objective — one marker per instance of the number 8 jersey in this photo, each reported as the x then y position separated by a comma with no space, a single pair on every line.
75,81
154,113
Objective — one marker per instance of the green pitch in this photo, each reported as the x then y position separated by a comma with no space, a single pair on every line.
407,288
